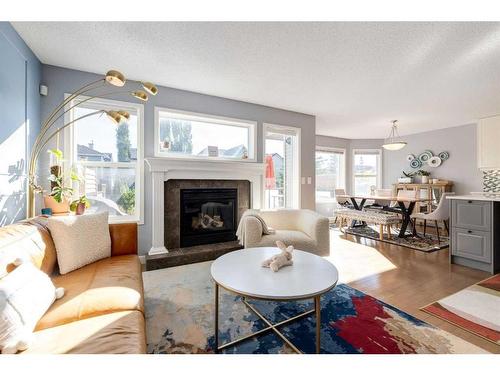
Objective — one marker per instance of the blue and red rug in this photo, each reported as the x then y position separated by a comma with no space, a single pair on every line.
179,307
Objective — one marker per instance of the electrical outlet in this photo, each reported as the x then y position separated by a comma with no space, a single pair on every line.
309,180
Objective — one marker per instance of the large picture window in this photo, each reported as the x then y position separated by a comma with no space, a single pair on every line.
366,171
190,135
108,158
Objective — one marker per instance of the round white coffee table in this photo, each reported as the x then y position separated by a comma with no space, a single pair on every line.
241,272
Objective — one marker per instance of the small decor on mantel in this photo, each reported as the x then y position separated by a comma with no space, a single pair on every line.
280,260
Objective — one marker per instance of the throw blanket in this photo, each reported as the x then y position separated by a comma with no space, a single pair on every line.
240,232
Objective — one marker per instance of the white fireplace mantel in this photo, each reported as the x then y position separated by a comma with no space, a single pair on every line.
164,169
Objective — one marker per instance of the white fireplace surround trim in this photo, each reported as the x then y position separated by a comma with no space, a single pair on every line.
163,169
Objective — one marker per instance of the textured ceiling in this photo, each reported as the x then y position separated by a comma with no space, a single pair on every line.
355,77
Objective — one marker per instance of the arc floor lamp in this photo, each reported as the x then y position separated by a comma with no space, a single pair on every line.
48,131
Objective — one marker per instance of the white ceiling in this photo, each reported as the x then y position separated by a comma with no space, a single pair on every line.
355,77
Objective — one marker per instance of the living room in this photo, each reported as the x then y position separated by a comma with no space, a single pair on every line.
249,188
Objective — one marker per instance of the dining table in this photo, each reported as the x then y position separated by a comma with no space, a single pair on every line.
398,204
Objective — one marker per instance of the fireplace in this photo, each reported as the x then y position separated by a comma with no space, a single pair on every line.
208,215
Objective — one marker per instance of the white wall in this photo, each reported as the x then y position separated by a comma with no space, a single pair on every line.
461,167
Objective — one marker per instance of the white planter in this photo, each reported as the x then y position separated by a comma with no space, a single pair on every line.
425,179
405,180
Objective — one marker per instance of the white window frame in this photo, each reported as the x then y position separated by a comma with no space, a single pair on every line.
70,150
195,116
376,151
343,151
297,197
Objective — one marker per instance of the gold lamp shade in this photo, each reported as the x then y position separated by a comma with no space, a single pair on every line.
115,78
150,88
124,115
114,116
141,95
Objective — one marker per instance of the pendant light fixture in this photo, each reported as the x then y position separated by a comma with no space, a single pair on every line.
394,141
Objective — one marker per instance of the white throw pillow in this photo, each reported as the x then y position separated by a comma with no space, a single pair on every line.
80,240
25,295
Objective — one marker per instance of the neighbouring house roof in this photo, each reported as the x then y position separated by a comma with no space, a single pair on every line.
85,152
234,152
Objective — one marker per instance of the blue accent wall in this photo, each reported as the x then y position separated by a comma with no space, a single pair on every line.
20,75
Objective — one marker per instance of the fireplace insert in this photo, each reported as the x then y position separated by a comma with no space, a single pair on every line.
208,216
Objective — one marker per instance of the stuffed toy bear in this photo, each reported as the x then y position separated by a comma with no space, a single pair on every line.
25,295
280,260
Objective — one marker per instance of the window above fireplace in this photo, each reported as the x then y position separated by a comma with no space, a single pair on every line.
186,135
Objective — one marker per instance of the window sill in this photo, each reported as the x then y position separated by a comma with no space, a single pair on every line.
205,159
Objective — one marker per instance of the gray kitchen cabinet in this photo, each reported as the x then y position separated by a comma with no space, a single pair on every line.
472,244
471,214
475,234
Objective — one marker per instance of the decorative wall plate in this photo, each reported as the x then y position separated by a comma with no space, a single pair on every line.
410,157
434,162
416,163
425,156
444,155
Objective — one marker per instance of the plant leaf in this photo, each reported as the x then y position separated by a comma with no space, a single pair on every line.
56,152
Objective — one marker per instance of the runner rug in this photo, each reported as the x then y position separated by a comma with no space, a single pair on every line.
475,309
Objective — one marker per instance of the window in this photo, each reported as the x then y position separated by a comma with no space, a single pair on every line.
366,171
108,158
282,155
190,135
330,175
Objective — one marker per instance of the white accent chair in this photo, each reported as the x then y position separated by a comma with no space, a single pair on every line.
441,213
303,229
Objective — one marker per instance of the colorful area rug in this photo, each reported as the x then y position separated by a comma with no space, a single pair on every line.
179,307
428,244
475,309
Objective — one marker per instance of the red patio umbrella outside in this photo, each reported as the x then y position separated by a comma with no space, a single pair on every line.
270,177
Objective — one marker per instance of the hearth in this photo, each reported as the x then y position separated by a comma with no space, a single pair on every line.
208,215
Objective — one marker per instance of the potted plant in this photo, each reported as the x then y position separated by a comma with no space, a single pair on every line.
424,175
79,205
58,200
407,178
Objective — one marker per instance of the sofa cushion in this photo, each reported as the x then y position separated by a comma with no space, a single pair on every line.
80,240
26,240
109,285
297,239
115,333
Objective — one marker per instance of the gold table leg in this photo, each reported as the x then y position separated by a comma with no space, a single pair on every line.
216,318
270,325
317,309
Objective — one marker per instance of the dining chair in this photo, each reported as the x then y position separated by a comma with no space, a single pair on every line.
441,213
383,193
411,194
341,201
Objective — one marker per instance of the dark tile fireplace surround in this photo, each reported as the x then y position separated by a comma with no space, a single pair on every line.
201,218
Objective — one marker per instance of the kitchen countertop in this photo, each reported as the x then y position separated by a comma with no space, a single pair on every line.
494,197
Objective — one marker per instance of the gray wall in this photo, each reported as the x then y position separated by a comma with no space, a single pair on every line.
20,73
461,167
61,81
460,142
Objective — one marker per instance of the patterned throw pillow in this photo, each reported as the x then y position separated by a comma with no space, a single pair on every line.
80,240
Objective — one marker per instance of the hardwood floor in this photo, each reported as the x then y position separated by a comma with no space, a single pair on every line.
405,278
